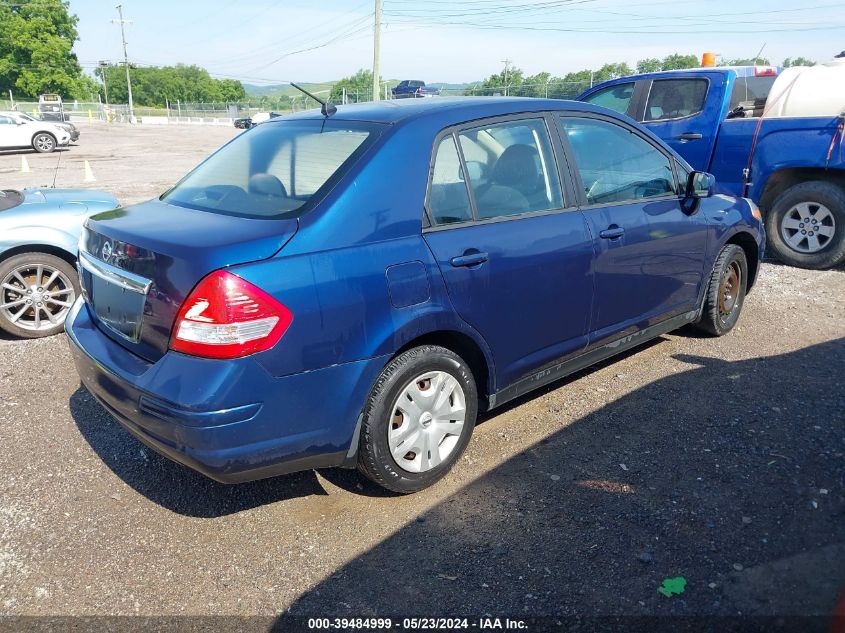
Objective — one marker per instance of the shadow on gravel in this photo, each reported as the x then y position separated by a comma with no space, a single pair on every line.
728,474
172,485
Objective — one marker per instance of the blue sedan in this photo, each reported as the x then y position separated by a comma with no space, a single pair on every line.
39,237
350,289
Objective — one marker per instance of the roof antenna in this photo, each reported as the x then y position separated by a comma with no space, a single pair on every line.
327,108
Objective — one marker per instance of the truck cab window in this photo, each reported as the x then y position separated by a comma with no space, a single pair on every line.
675,99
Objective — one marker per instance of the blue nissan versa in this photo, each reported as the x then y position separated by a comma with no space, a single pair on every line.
351,289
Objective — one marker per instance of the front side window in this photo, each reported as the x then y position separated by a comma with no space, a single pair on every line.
273,170
675,98
615,164
448,200
616,97
511,168
4,120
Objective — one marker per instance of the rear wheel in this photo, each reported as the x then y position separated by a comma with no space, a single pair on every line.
418,419
44,143
806,225
37,291
725,292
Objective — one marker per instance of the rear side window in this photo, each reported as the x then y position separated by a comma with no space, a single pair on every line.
615,164
275,169
448,200
511,168
616,97
675,98
751,93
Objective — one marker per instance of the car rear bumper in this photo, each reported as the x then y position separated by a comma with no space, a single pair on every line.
229,420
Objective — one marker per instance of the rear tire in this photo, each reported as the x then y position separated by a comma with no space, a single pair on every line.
725,292
806,225
44,143
26,311
418,419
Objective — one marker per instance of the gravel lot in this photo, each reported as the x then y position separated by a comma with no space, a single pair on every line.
721,461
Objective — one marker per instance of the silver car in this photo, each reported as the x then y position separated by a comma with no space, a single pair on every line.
39,233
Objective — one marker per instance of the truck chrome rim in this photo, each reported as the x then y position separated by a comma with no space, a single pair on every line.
44,142
427,421
36,297
808,227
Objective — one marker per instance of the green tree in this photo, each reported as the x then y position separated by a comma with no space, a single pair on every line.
677,61
36,42
649,65
156,85
797,61
358,87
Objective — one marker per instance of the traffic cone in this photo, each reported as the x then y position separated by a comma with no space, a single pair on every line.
25,165
89,175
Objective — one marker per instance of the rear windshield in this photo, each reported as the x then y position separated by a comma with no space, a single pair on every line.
275,169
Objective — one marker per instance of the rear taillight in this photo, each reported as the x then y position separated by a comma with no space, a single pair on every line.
765,71
228,317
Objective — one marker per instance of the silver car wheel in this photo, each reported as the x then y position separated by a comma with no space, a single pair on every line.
807,227
428,419
44,143
36,297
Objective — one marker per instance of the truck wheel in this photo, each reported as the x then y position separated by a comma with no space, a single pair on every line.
806,225
43,142
418,419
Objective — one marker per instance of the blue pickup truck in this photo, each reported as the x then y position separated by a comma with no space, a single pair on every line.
413,89
791,166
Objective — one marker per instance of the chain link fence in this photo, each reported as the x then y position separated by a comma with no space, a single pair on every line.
221,113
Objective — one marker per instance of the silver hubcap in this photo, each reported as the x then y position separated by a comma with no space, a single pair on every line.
428,418
44,142
808,227
36,297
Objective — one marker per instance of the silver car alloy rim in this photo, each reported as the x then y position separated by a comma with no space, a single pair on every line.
807,227
44,142
36,297
427,421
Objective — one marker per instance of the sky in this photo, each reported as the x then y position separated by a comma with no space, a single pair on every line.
275,41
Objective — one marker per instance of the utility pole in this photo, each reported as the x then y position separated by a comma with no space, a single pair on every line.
507,63
104,66
377,51
121,21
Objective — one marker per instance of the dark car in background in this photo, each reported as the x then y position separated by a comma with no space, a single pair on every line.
342,298
413,89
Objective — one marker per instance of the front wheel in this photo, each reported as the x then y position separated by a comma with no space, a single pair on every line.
418,419
806,225
44,143
37,291
725,292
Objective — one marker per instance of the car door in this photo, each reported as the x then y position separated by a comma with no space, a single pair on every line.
515,254
685,112
649,252
8,132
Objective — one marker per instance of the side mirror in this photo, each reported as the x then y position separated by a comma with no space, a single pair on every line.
700,184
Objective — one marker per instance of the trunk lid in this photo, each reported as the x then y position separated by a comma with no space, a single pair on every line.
138,264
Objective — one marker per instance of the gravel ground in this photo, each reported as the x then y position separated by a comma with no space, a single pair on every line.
721,461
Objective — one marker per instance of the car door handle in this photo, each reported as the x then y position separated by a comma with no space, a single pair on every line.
469,259
689,136
612,232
